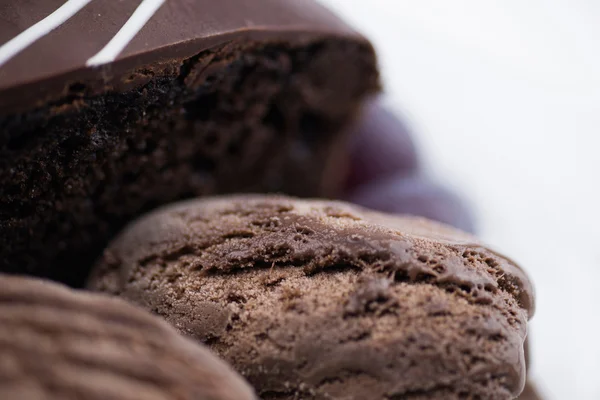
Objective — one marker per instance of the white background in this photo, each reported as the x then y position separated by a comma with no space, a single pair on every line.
504,100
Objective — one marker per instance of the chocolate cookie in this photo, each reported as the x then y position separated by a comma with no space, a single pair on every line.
56,343
110,108
323,300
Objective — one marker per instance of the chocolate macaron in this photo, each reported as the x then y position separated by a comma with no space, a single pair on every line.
110,108
323,300
58,344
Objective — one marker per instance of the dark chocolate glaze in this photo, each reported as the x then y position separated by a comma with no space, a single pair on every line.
45,70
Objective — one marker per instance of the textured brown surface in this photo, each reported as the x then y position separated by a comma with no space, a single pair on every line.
321,300
243,116
56,343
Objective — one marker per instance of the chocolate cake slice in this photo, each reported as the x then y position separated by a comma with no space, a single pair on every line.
110,108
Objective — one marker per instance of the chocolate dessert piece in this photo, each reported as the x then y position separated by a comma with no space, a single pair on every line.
323,300
530,393
56,343
110,108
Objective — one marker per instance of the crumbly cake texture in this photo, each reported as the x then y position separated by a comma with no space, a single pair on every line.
198,103
320,300
56,343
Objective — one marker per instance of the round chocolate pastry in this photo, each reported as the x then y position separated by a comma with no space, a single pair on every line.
323,300
56,343
110,108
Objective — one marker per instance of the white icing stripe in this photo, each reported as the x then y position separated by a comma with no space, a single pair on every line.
134,24
24,39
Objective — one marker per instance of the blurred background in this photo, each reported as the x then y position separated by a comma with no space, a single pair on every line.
503,99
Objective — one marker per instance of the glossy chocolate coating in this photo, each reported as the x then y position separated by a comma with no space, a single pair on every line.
56,63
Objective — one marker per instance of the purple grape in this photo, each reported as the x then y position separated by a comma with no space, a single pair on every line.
385,173
415,195
380,146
